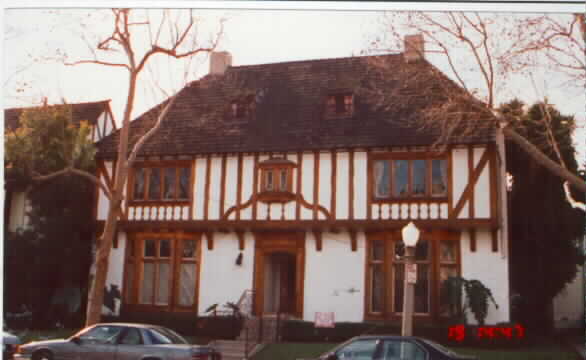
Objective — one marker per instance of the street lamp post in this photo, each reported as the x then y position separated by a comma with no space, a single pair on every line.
410,236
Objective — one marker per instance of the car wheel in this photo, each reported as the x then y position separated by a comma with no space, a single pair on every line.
42,355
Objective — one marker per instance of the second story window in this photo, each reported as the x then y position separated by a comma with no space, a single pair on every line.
242,108
410,178
340,105
161,183
276,179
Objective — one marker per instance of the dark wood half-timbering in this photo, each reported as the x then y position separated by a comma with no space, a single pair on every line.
472,232
469,189
241,242
210,239
318,240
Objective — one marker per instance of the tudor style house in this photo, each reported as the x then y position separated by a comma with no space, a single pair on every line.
98,115
286,180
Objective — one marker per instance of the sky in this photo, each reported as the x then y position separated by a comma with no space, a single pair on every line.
32,37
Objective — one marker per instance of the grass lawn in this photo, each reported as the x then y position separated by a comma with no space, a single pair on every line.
293,351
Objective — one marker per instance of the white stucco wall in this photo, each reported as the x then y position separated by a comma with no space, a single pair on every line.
360,184
102,199
568,306
491,269
116,271
459,178
221,280
482,188
334,277
18,208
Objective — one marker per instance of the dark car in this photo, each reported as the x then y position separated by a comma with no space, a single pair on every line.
120,341
391,348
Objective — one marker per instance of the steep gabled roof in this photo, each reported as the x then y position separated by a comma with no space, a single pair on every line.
289,102
88,111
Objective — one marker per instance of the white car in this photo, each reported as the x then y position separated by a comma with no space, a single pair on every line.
120,341
9,344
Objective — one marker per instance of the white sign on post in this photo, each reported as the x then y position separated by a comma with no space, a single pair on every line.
324,319
411,273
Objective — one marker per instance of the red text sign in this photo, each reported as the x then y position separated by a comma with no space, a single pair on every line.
458,332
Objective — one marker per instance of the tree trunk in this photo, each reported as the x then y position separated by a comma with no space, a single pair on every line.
544,160
97,287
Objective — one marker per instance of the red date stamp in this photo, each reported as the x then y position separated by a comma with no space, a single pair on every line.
458,332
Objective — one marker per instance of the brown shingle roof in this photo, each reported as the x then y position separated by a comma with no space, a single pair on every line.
89,111
289,108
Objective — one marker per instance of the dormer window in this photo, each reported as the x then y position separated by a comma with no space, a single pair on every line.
276,177
243,108
340,105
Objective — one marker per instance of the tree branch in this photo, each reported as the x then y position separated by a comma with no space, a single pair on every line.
544,160
575,204
71,170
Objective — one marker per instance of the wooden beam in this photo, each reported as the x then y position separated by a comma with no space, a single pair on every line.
353,240
472,232
315,183
240,235
334,168
239,185
351,186
470,174
470,186
308,225
206,201
210,238
318,240
255,172
298,191
494,238
493,183
222,187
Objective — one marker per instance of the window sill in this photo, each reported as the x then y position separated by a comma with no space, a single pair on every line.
410,200
276,196
159,202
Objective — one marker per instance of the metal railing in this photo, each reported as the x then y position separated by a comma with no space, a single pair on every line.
246,306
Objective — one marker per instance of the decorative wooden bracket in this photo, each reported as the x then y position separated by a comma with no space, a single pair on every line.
318,241
240,235
210,237
495,244
473,240
353,241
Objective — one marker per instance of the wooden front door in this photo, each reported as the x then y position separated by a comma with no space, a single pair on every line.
279,273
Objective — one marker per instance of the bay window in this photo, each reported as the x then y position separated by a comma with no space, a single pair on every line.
162,270
411,177
161,182
436,256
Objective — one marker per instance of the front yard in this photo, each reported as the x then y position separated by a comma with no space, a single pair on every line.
293,351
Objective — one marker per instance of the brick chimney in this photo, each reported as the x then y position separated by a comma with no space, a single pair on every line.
219,62
414,48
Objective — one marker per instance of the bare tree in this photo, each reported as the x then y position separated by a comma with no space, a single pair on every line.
482,52
136,37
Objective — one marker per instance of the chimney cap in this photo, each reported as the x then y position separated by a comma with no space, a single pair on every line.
414,47
219,62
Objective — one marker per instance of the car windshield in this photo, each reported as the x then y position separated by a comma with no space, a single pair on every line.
161,335
439,347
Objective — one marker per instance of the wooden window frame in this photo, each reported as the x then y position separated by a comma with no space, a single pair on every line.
346,101
134,265
276,194
147,166
243,108
390,238
410,157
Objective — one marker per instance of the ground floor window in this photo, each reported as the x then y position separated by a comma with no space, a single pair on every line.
437,257
162,270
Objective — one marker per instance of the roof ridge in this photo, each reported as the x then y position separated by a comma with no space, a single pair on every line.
313,60
76,103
